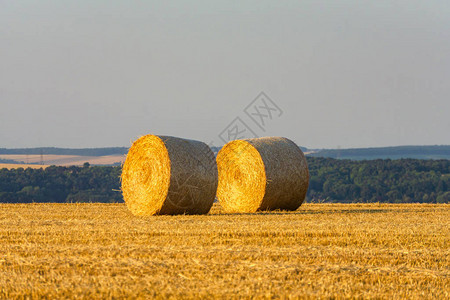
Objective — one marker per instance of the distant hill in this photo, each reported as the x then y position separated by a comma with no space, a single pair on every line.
66,151
79,151
417,152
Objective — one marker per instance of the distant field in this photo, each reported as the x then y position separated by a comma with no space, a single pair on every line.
68,156
65,160
15,166
322,250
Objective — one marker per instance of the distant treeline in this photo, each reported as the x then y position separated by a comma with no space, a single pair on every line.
392,181
10,161
331,180
61,184
418,152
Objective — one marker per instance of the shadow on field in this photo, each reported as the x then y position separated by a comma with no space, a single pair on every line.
318,212
356,211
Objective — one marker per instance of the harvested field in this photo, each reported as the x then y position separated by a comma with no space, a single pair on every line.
320,250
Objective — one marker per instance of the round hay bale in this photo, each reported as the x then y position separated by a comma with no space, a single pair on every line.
261,174
169,175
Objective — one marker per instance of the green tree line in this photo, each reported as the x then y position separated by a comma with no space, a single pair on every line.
392,181
61,184
331,180
417,152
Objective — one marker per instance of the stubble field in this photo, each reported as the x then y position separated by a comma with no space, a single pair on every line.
321,250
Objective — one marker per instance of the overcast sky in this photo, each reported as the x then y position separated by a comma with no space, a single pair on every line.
341,73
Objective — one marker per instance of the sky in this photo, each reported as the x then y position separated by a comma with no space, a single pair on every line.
326,74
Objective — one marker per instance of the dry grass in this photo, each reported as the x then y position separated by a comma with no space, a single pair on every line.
320,250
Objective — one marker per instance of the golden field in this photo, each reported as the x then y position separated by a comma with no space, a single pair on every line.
321,250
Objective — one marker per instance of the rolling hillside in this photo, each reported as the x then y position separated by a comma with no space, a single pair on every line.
116,155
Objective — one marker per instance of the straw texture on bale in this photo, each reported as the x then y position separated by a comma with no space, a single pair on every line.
169,175
261,174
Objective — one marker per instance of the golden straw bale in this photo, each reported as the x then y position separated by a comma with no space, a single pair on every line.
169,175
261,174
